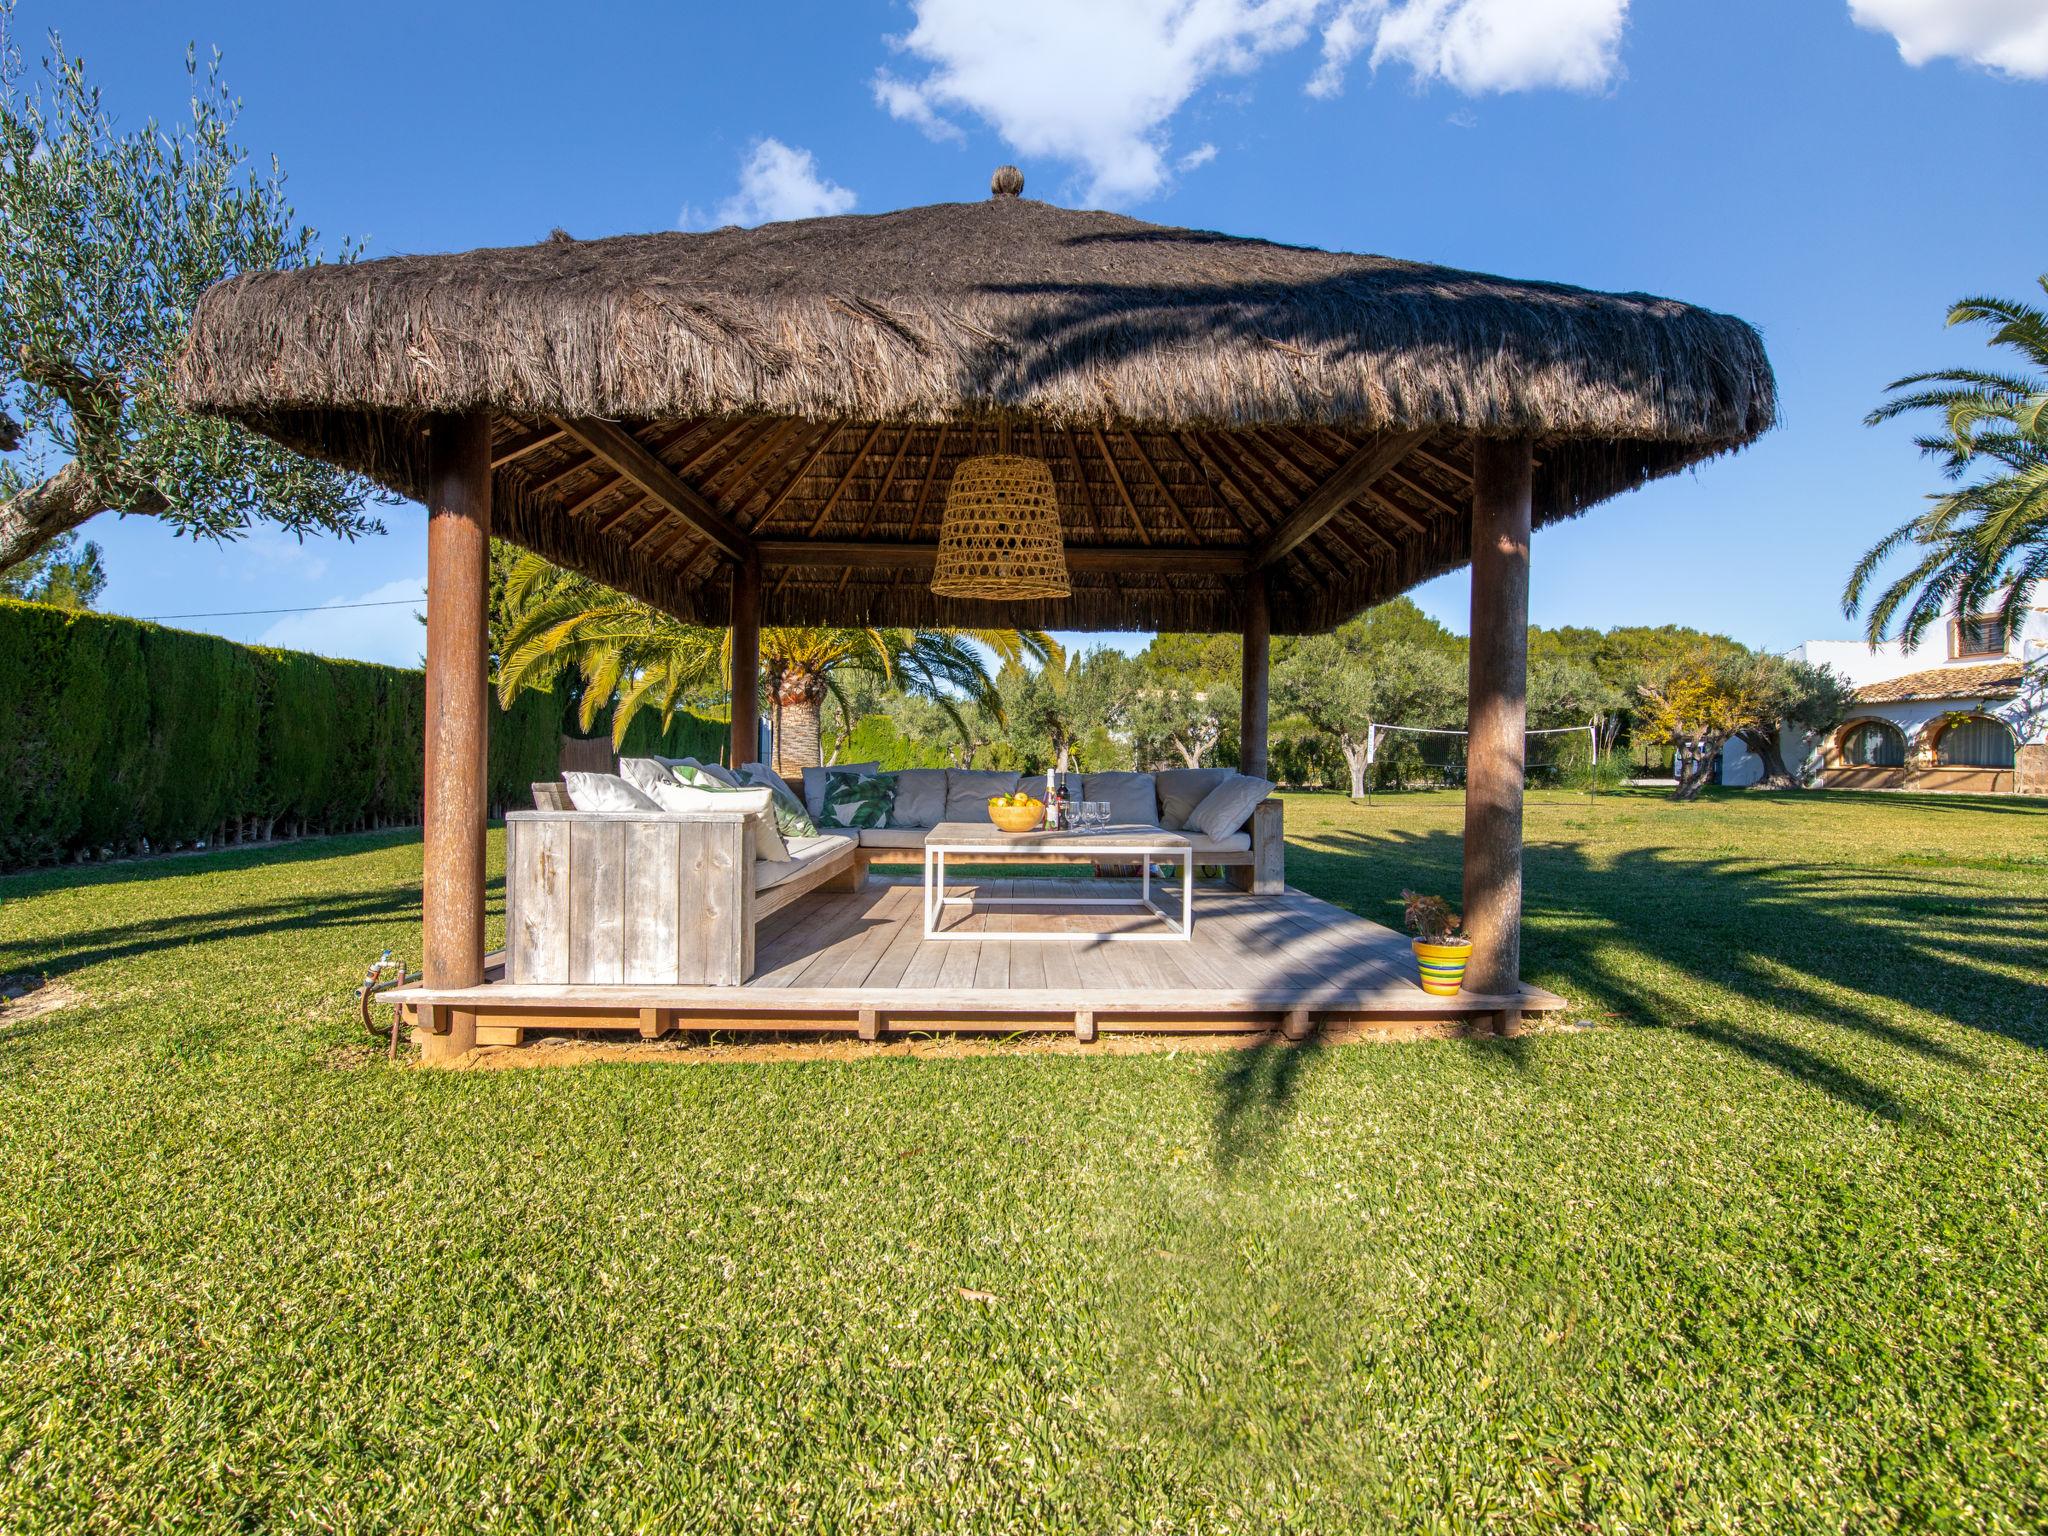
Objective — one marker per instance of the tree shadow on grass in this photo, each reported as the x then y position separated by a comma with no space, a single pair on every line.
378,908
1255,1096
1844,947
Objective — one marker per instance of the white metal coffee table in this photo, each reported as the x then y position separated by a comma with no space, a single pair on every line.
986,843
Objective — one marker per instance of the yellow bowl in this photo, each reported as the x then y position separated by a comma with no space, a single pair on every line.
1028,817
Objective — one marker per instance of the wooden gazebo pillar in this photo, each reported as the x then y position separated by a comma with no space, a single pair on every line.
1501,473
1257,670
458,716
746,660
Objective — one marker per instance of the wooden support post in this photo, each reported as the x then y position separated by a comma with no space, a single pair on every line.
1501,475
746,661
870,1024
1298,1025
656,1022
1258,652
1084,1025
458,716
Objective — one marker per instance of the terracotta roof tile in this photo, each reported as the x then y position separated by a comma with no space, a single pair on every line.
1993,679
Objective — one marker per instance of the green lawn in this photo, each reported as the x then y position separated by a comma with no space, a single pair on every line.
1765,1251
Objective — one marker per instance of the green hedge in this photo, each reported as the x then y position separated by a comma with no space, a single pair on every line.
115,732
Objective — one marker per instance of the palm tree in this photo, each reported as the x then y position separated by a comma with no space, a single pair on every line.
1991,531
629,656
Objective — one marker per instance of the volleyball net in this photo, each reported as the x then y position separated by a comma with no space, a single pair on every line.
1433,757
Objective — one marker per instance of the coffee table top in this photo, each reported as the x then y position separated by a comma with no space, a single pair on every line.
986,834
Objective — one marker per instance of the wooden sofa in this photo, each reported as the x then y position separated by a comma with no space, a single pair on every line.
661,898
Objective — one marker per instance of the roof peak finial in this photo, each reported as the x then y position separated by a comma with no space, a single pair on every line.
1008,181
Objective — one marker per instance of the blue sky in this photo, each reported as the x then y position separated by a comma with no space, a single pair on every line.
1835,171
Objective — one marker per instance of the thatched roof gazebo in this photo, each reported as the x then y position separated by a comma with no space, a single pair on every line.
749,426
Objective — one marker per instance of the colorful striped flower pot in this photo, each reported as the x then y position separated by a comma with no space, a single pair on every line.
1442,965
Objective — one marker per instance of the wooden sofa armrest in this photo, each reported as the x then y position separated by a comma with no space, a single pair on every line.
552,796
1266,875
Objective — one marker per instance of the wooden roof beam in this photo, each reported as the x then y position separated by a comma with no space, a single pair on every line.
631,458
873,554
1355,475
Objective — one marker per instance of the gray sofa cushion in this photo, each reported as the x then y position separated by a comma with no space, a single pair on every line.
911,838
1236,842
920,798
968,792
803,853
1229,805
1133,797
1182,789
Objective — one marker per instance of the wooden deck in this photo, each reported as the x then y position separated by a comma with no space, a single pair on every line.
858,962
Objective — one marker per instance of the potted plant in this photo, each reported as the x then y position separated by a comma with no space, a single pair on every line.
1440,953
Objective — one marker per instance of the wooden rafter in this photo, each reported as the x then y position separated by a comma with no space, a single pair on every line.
1250,517
876,554
931,474
590,498
519,448
1159,483
1230,448
1081,482
743,467
631,458
852,468
620,516
1117,479
711,445
830,435
1415,487
566,472
1356,474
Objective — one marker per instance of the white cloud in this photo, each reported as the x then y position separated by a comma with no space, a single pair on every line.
2006,35
1090,82
1479,46
345,628
777,181
1097,83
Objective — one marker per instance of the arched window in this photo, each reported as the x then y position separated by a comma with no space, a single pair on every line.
1873,744
1975,742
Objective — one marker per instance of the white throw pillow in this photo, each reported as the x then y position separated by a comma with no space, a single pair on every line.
814,782
1229,806
605,792
643,773
768,843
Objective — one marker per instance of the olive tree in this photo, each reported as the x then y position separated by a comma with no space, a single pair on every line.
107,239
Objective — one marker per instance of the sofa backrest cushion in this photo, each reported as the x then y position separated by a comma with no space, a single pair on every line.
605,792
1229,806
643,773
791,819
814,783
968,792
1182,789
768,843
920,797
1133,797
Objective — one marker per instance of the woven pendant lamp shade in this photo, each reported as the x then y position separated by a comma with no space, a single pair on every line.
1001,536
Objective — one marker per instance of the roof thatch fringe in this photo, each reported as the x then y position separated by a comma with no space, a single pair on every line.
1007,306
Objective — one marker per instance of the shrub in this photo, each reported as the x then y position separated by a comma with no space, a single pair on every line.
116,732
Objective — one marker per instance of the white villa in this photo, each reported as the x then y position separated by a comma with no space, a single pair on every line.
1965,710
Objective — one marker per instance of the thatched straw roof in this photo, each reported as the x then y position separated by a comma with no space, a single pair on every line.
814,382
